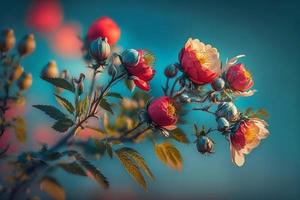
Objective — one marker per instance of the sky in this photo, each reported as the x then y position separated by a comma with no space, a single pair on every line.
266,31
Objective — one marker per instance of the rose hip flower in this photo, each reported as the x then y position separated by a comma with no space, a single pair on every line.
104,27
238,78
200,62
247,137
141,72
163,113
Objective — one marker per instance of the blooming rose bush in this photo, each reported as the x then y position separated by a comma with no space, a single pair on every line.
197,82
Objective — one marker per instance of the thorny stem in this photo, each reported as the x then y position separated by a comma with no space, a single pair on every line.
3,109
20,186
167,86
174,84
205,109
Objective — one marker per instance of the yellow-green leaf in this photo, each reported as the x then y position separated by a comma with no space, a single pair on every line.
52,188
65,103
72,168
106,106
179,136
131,168
169,155
82,106
20,129
92,171
139,160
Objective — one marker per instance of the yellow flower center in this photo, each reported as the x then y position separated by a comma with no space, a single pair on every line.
250,134
201,58
247,74
171,109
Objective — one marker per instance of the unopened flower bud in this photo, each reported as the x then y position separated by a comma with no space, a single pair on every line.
16,74
227,110
25,81
218,84
7,40
130,57
50,70
171,71
223,124
80,88
100,49
65,75
205,145
26,45
184,98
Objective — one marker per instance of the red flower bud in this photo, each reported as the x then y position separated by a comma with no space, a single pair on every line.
163,112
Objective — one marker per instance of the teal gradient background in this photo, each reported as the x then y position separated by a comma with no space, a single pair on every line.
268,32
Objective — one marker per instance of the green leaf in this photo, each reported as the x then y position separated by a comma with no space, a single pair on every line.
179,136
131,168
114,94
53,156
82,106
20,129
52,188
62,125
97,175
109,150
106,106
134,155
51,111
61,83
73,168
140,95
65,103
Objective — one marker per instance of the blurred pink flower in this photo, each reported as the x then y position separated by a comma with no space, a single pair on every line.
8,138
45,16
65,41
15,110
44,135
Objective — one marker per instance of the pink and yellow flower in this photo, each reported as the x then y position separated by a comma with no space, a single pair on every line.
163,113
238,78
246,138
200,61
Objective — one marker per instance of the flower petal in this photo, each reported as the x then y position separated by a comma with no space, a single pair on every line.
237,157
141,83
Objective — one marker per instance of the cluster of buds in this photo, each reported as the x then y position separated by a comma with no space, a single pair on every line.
11,63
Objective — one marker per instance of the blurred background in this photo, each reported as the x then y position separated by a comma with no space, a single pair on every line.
266,31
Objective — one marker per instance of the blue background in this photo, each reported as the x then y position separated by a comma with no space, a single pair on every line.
268,32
